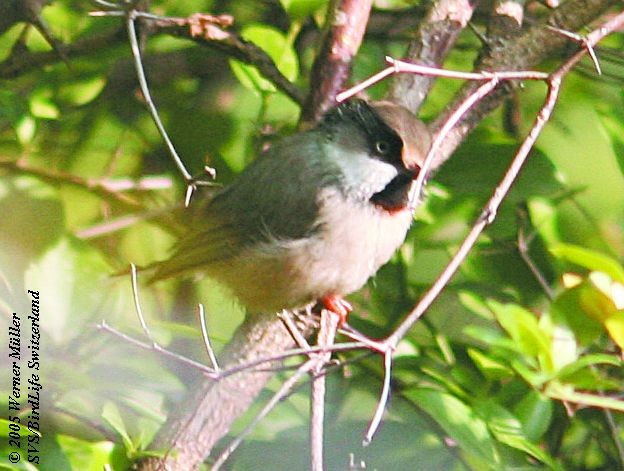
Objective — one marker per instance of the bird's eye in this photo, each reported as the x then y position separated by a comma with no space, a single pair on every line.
382,147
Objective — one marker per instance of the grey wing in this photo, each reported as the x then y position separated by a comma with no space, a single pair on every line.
274,198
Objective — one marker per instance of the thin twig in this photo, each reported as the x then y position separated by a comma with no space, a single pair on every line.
296,334
523,249
155,347
489,212
283,391
138,64
532,46
137,303
383,400
204,30
247,366
397,66
206,337
326,336
105,189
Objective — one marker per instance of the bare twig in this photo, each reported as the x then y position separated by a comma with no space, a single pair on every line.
283,392
326,335
489,213
401,67
383,399
206,337
155,347
137,303
531,47
524,242
191,182
102,188
202,29
18,64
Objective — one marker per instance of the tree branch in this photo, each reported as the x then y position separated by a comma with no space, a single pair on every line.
20,63
523,52
435,37
206,414
204,30
346,24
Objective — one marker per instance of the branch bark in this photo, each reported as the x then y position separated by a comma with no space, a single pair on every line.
204,30
524,51
346,24
206,414
435,37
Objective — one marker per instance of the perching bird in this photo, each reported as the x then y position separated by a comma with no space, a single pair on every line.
315,216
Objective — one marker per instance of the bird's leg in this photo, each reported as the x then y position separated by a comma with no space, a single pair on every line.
337,305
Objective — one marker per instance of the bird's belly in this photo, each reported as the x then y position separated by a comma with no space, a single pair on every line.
352,242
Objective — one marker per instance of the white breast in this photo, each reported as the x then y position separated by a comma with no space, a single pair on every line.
354,239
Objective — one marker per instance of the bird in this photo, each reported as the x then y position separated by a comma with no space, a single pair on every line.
314,216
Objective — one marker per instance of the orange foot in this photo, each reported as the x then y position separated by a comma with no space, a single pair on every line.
338,306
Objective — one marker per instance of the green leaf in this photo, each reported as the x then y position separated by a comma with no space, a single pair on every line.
615,327
82,92
91,456
523,327
507,429
568,310
69,278
566,392
110,413
44,108
586,361
615,130
12,106
460,422
300,9
535,412
491,368
25,128
276,45
475,303
589,259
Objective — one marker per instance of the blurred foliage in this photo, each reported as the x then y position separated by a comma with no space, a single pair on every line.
518,365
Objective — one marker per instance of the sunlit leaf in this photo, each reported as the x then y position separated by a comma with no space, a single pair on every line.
589,360
568,309
300,9
507,429
25,129
535,413
589,259
277,47
91,456
82,92
459,421
111,414
564,392
491,368
522,326
615,327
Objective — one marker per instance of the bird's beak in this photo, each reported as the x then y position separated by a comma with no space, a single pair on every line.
413,132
